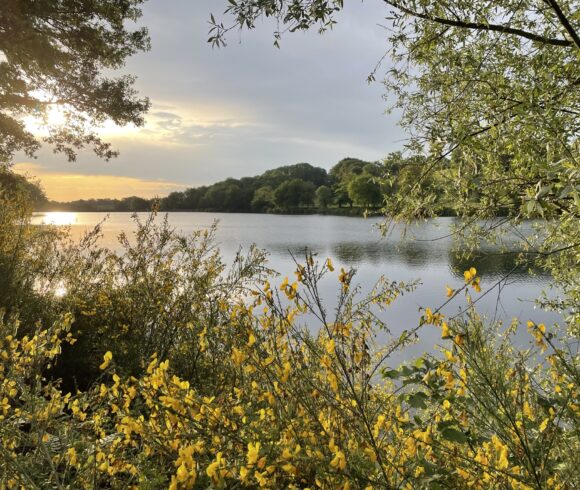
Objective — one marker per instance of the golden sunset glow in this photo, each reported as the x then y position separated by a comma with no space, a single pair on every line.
56,115
58,218
61,186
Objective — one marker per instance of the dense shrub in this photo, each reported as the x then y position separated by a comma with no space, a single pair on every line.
180,372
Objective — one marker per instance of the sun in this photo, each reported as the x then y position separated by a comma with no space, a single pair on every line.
55,115
59,218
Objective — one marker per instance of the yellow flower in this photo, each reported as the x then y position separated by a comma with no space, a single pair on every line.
106,360
333,382
450,357
343,277
72,456
330,346
450,291
237,356
528,412
286,453
261,478
371,454
468,275
538,332
253,453
213,469
286,372
329,265
251,340
182,473
445,332
339,460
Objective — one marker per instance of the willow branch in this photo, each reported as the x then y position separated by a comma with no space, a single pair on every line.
481,26
564,21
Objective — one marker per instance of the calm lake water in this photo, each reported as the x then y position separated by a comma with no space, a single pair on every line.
425,255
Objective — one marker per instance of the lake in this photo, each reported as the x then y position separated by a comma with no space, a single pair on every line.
425,255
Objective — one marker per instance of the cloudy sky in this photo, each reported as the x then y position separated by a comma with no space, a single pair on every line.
238,110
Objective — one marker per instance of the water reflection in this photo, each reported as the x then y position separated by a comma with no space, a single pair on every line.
495,264
56,218
427,254
416,256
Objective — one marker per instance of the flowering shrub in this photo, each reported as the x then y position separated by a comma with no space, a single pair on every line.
298,397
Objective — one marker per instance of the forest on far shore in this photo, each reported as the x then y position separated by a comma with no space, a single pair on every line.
351,187
301,188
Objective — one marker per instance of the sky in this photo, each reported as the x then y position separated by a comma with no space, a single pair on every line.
237,111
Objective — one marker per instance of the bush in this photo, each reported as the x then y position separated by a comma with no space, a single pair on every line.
162,367
287,407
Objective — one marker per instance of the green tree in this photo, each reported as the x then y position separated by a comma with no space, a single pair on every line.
234,198
364,191
263,199
341,196
323,196
342,174
30,190
346,168
193,196
293,193
173,201
58,55
134,204
302,171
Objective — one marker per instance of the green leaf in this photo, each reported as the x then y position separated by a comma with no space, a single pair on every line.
452,434
390,373
419,363
417,400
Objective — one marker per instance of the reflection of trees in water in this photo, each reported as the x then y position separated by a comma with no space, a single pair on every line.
350,253
494,263
414,254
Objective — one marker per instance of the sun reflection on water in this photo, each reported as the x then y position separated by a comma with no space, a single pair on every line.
59,218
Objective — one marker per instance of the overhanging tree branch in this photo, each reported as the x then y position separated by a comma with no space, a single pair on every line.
564,21
481,26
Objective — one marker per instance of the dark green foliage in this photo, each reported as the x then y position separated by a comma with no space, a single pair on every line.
134,204
263,199
354,182
346,168
24,250
350,181
131,204
323,197
170,284
365,191
293,193
12,184
58,54
303,171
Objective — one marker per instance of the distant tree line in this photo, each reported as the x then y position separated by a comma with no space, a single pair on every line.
291,188
352,184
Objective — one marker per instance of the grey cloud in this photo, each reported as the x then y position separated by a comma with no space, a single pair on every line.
258,107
